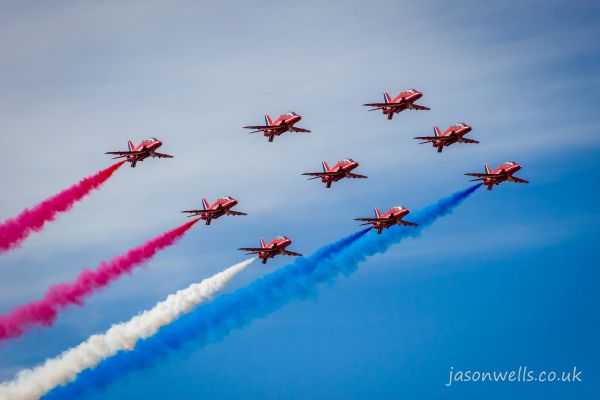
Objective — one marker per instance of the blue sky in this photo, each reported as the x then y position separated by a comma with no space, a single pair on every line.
507,280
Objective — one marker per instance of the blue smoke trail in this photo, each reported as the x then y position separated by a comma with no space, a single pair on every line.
214,321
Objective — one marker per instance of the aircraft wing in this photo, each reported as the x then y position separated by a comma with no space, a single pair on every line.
483,175
252,250
319,174
517,180
199,212
397,221
479,177
368,220
290,253
300,130
261,127
261,249
231,212
428,138
416,107
124,153
405,223
465,140
356,176
161,155
380,105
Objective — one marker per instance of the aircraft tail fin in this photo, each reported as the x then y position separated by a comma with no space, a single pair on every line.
437,131
377,212
488,170
205,204
268,120
130,145
325,166
263,244
386,97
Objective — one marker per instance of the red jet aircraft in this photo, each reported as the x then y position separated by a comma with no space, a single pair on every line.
282,124
404,101
342,169
454,134
144,150
503,173
219,208
391,217
275,247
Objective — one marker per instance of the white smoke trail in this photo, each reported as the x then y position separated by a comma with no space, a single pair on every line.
33,383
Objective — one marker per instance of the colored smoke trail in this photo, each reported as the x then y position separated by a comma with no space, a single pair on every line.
45,311
214,321
14,231
33,383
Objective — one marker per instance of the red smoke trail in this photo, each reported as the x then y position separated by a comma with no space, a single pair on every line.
15,230
45,311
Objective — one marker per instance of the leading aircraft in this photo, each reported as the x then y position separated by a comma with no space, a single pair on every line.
342,169
275,247
144,150
284,123
219,208
454,134
391,217
404,101
501,174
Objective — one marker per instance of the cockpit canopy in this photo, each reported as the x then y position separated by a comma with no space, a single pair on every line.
412,91
398,208
226,198
509,163
460,125
281,238
151,139
348,160
290,114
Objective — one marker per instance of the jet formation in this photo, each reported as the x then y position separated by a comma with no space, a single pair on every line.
343,169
